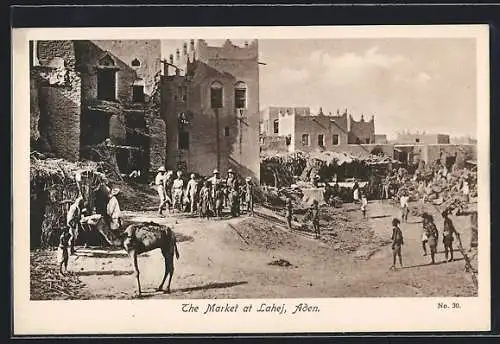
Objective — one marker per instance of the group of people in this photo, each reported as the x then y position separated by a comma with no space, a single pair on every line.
205,196
430,236
106,204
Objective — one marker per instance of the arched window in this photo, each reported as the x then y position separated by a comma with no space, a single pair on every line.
276,123
106,78
135,63
216,95
240,95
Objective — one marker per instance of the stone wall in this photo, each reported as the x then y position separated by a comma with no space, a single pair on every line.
34,112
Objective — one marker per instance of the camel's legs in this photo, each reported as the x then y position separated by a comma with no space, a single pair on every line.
133,254
171,270
166,271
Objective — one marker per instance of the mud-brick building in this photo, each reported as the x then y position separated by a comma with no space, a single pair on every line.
305,131
84,92
211,108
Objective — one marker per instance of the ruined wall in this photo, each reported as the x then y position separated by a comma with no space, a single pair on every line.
362,131
435,151
34,111
59,98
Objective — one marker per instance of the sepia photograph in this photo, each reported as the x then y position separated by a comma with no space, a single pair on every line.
257,166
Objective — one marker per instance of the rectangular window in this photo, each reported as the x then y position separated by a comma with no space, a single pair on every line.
321,140
216,98
276,126
288,140
335,139
305,139
417,140
367,141
226,131
106,84
184,94
240,98
184,140
138,93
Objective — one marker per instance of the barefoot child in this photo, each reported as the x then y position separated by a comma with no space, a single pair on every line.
315,218
433,234
397,242
364,203
62,252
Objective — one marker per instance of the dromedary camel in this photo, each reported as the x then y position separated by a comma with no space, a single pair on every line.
139,238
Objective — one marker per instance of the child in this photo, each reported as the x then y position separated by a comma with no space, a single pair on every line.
289,212
397,242
448,231
62,252
364,203
315,218
404,206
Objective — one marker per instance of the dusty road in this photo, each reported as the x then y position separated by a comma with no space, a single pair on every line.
231,259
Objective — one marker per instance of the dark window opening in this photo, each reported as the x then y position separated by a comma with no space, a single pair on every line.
321,140
97,127
226,131
276,126
335,139
288,140
216,96
417,140
358,141
305,139
135,63
184,140
138,93
106,84
367,140
184,94
240,95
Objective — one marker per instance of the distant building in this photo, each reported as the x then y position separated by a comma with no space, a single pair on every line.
423,138
211,108
381,139
305,131
84,92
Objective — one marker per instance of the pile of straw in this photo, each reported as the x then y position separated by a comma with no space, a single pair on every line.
54,186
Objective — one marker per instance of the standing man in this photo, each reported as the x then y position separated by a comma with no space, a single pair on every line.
191,190
249,195
231,183
397,242
177,188
215,182
315,218
160,186
355,192
433,234
73,222
113,211
289,212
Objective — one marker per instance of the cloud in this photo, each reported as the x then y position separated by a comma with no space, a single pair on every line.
289,74
350,67
422,78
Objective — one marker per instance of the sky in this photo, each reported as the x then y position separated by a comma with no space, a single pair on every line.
407,84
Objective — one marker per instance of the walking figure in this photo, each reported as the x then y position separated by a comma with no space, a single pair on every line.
73,218
160,186
289,212
448,232
191,191
404,206
397,242
315,218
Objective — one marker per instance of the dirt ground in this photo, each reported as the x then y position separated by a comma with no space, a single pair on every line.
258,257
